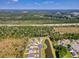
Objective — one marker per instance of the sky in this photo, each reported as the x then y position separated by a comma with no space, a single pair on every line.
39,4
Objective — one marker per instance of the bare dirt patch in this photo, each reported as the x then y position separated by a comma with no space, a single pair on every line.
63,30
11,48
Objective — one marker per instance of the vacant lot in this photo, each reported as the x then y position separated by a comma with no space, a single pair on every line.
12,48
66,29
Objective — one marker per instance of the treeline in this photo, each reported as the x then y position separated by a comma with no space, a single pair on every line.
58,36
71,36
34,31
31,16
24,31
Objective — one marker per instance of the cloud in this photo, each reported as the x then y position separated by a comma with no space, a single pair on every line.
48,2
36,3
12,1
43,3
15,0
8,2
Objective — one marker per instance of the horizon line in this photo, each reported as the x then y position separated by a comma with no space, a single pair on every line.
38,9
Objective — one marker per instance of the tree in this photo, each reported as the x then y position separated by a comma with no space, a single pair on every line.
60,51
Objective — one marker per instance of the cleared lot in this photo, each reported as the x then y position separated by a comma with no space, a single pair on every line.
12,48
66,29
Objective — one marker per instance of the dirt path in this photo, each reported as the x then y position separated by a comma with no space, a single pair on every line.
65,24
48,51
